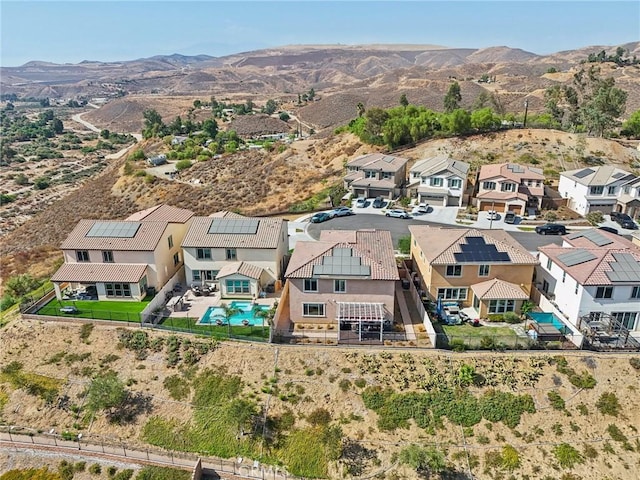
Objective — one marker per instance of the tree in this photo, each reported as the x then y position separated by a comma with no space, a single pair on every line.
20,285
270,107
360,108
105,134
452,98
457,122
631,128
484,120
153,124
240,412
175,126
266,316
229,312
423,460
106,392
375,120
41,183
57,125
197,104
210,127
284,116
403,100
602,110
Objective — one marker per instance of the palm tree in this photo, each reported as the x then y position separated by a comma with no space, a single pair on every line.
228,313
267,315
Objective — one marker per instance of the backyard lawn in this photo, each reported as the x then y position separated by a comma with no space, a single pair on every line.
484,337
218,331
97,309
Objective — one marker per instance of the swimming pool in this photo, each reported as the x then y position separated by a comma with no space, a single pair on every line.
546,317
245,314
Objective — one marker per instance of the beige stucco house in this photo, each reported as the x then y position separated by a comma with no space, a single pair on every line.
345,280
484,269
438,180
509,187
240,256
376,175
122,259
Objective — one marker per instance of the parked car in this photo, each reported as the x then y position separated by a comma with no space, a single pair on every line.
624,220
320,217
609,229
510,217
397,214
341,212
378,202
421,209
551,229
361,202
492,215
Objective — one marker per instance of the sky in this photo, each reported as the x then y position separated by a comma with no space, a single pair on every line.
73,31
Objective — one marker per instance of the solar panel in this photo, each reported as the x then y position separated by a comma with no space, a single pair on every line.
594,236
583,173
341,264
625,268
618,175
234,226
515,168
576,257
342,252
476,250
114,229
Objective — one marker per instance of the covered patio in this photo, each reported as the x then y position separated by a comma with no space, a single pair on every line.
497,296
365,318
110,280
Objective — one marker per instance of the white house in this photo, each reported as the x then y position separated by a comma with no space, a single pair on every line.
593,276
438,180
243,255
599,189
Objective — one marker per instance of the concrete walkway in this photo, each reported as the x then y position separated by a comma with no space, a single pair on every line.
404,313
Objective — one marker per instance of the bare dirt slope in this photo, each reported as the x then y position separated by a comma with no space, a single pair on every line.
578,424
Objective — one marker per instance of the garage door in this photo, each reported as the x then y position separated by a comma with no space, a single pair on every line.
606,209
517,209
497,206
378,193
453,201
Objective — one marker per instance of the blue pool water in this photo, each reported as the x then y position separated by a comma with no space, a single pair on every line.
216,314
544,317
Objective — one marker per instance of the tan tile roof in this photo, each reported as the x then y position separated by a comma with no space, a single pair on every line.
501,196
599,175
243,268
146,238
497,289
99,272
374,183
378,161
267,235
440,244
162,213
581,239
374,247
488,172
440,163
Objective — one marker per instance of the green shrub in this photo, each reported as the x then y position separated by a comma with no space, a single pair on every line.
635,362
80,466
556,400
177,386
374,398
594,218
138,154
583,380
510,458
608,404
183,165
360,382
319,417
567,456
65,470
582,408
344,385
616,434
95,469
512,317
495,317
457,345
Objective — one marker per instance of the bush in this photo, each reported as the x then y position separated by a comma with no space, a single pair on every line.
457,345
635,362
556,400
138,154
608,404
512,317
319,417
95,469
183,165
567,456
594,218
41,183
510,458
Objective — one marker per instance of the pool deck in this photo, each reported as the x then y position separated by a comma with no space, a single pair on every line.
195,307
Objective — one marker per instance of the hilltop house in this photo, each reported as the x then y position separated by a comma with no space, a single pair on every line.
509,187
346,280
244,255
439,181
376,175
483,269
122,259
603,188
593,276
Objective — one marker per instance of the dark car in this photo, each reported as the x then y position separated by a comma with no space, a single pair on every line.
624,220
378,202
320,217
609,229
551,229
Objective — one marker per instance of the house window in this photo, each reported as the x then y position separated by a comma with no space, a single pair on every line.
627,319
502,306
604,292
209,275
310,285
611,190
549,264
117,289
339,286
415,174
627,190
143,284
454,270
313,309
196,275
370,174
203,253
387,175
231,254
238,286
635,292
455,183
170,240
82,255
436,182
564,276
598,190
452,293
508,187
545,286
483,270
489,185
107,256
176,259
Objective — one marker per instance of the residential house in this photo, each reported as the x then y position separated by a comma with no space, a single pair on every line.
484,269
603,188
593,275
438,180
346,280
244,256
509,187
124,259
376,175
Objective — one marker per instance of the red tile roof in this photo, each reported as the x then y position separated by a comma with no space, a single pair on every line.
267,235
99,272
145,239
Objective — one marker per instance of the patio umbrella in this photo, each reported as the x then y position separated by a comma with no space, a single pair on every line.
439,306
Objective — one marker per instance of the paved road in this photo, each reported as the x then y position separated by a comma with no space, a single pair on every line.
399,228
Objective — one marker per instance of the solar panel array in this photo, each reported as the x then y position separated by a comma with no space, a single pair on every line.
476,250
342,252
576,257
515,168
625,269
583,173
234,226
342,264
594,236
618,175
114,229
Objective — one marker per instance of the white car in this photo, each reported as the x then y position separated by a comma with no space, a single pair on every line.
421,209
341,212
492,215
397,213
361,202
